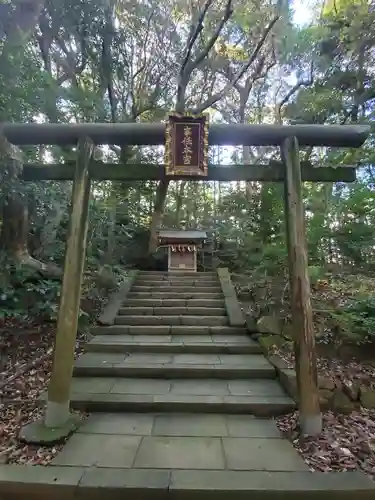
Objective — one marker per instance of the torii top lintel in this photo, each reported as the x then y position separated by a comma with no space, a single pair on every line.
345,136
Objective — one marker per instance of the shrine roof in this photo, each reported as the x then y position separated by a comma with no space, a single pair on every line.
176,234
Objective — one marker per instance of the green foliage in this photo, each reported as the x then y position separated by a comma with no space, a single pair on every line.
356,321
20,295
316,273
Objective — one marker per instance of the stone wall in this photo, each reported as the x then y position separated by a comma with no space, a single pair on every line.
335,394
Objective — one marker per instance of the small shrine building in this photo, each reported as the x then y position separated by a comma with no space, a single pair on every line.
182,247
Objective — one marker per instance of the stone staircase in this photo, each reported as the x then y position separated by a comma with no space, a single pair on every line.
172,349
177,395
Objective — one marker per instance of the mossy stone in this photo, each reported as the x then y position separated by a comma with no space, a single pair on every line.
38,433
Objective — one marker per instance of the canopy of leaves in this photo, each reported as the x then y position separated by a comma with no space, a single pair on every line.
246,61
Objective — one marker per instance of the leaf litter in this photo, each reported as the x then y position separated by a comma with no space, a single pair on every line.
347,442
21,388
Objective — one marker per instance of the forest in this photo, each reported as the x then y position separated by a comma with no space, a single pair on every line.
241,61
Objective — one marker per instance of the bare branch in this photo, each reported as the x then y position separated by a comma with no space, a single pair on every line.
188,66
193,35
227,14
236,77
144,45
107,64
302,83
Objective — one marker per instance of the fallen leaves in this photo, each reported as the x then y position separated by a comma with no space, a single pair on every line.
346,443
27,360
349,373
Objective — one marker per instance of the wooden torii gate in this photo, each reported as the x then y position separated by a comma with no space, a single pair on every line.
58,421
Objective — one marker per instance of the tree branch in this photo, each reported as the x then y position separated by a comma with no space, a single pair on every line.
204,53
236,77
292,91
188,66
193,35
107,64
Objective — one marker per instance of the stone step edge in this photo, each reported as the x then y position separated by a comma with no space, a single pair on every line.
177,273
258,406
167,330
183,289
167,371
188,301
175,294
170,311
177,288
170,320
178,283
153,281
80,483
174,347
212,304
195,317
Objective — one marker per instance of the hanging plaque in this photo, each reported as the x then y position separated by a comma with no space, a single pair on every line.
186,145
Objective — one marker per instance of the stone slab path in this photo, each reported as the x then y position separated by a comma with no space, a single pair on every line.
180,442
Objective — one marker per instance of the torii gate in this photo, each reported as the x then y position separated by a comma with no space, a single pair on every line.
58,421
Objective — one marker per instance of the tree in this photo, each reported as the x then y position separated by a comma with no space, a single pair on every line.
194,56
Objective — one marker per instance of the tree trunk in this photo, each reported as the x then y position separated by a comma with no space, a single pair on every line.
111,236
246,161
189,64
15,227
111,224
195,204
52,224
266,212
21,22
179,197
160,197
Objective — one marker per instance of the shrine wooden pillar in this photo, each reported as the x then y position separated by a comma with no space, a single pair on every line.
58,404
302,317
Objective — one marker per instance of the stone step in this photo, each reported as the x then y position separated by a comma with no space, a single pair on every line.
155,365
174,295
172,320
183,344
178,282
179,456
254,397
131,302
85,467
260,406
179,386
177,289
178,274
167,330
173,311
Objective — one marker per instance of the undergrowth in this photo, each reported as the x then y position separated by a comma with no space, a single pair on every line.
343,302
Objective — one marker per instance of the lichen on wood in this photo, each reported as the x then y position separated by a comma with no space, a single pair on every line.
302,317
59,387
